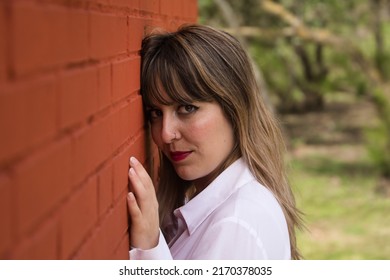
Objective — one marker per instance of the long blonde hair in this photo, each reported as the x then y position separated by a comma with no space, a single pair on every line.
200,63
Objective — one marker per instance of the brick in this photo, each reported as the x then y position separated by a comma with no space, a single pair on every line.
3,46
127,121
101,2
78,98
13,113
102,141
54,36
131,4
81,151
77,45
104,144
90,148
125,78
33,29
165,7
105,189
78,217
27,115
135,74
187,8
193,13
136,33
122,252
104,86
41,245
42,181
121,125
41,115
120,174
108,35
91,248
137,148
170,7
101,245
151,6
136,115
5,214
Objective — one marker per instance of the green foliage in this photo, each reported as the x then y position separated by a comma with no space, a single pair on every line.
379,137
383,63
208,10
377,143
276,59
384,60
361,88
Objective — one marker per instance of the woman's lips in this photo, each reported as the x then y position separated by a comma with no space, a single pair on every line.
178,156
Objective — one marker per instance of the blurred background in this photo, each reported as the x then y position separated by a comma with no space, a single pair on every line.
324,68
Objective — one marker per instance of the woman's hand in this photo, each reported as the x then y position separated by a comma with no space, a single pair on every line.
143,208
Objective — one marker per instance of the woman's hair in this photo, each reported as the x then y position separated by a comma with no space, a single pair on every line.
200,63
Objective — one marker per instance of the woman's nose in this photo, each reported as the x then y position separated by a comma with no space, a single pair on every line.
169,130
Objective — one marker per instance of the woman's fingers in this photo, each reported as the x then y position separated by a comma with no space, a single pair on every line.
142,174
142,207
142,186
134,210
136,183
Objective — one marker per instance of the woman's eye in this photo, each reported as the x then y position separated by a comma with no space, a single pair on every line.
155,114
186,109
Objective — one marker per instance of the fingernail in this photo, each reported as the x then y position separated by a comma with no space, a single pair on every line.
132,172
133,160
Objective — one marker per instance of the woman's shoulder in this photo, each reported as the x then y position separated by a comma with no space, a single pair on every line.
239,194
254,191
252,202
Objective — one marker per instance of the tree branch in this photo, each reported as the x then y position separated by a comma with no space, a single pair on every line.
298,29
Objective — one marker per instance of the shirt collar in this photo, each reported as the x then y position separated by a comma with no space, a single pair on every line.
201,206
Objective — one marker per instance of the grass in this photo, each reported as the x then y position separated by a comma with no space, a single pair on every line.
336,187
345,217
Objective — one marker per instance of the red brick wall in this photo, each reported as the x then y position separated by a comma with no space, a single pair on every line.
70,117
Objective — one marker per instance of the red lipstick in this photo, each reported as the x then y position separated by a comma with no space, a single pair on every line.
178,156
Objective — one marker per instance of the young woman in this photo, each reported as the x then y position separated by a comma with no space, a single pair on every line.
222,191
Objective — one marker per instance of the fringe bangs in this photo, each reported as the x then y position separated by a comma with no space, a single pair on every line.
165,80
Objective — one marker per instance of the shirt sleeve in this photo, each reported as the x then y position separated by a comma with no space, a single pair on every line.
160,252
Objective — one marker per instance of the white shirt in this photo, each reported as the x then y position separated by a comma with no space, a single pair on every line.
235,217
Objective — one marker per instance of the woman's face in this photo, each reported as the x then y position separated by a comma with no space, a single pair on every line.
195,137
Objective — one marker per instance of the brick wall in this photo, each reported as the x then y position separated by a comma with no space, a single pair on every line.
70,117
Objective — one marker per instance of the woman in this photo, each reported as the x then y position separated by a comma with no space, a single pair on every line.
222,191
